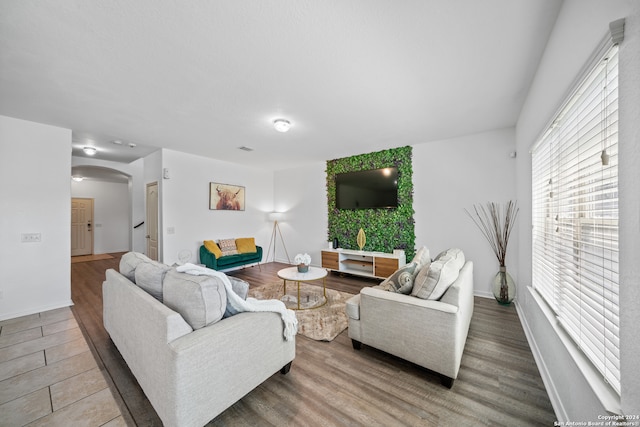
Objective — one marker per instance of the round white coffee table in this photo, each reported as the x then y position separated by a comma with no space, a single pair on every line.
314,273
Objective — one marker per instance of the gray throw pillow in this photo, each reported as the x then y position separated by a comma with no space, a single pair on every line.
240,288
401,281
200,300
433,281
129,262
149,276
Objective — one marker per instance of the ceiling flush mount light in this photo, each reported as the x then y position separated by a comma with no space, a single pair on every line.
90,151
281,125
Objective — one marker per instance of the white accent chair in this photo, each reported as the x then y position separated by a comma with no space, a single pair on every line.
429,333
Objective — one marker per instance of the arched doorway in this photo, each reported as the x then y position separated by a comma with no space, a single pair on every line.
110,222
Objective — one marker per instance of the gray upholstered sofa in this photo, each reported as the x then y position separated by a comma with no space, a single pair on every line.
429,333
189,376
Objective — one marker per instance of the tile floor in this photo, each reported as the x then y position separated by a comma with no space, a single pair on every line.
49,377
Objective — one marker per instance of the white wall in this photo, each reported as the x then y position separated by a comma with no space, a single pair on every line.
35,192
451,176
301,193
111,220
185,204
580,27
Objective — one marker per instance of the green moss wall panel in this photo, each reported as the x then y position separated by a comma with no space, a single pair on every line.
386,229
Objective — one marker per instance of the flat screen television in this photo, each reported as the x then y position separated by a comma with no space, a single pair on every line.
368,189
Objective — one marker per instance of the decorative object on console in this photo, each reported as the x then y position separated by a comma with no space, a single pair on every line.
361,239
226,197
496,222
302,261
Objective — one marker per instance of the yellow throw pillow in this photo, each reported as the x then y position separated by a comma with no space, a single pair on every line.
246,245
211,246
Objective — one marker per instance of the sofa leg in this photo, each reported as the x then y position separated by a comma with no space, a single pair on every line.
286,368
357,345
446,381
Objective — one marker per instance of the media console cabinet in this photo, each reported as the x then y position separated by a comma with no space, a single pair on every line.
363,263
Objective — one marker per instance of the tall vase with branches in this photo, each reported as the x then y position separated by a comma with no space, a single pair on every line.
496,222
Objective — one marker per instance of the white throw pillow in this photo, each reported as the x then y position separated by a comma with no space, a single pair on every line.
433,281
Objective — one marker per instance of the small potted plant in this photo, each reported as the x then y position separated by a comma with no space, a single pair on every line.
302,261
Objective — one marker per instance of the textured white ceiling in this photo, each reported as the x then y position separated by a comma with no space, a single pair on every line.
207,77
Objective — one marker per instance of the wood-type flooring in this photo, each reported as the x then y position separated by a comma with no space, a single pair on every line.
330,384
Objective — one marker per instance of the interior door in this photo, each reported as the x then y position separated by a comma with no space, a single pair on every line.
152,220
81,226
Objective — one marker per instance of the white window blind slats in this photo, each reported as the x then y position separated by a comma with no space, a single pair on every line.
575,218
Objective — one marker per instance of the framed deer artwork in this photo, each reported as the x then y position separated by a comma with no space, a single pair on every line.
226,197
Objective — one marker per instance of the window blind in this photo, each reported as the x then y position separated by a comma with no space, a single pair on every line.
575,217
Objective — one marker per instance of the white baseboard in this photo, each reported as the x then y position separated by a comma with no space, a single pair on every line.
34,310
554,397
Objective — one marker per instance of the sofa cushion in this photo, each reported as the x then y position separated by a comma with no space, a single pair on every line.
149,276
228,246
240,288
401,281
433,281
422,257
453,252
129,262
246,245
213,248
200,300
237,259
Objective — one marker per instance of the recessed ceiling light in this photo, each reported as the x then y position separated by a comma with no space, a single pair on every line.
90,151
77,178
282,125
117,142
132,145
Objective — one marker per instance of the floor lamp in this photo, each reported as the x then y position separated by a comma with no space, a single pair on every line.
274,216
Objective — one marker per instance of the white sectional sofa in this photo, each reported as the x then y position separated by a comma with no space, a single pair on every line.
190,376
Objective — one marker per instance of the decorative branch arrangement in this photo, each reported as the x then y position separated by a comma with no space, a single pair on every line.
496,222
